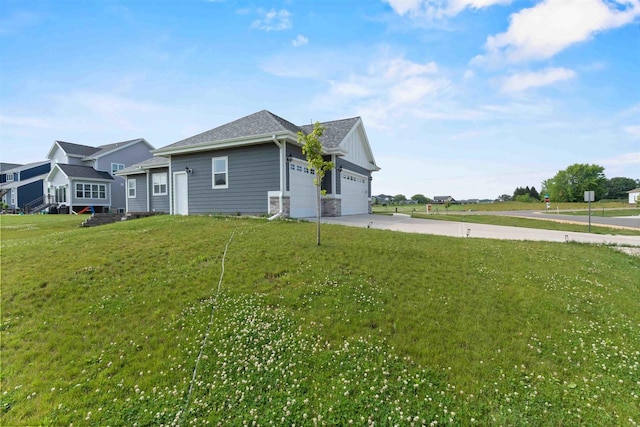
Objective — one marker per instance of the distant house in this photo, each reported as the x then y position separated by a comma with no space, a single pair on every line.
83,177
22,187
383,198
634,196
443,199
255,165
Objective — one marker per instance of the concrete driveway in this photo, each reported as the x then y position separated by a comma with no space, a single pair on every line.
404,223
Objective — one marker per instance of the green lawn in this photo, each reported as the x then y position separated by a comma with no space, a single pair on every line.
498,207
529,223
103,326
597,211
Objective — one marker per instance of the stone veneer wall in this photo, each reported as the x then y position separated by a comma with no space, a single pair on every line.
331,207
274,205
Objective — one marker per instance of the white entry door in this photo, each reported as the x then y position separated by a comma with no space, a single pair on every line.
180,193
303,200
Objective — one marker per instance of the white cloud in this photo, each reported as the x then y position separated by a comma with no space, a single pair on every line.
542,31
299,41
391,86
622,160
633,131
437,9
522,81
273,20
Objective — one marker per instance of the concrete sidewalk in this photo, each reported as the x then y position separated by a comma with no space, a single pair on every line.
404,223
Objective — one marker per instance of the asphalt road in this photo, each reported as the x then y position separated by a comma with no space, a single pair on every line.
405,223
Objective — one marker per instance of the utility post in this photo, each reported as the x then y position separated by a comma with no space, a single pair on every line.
589,196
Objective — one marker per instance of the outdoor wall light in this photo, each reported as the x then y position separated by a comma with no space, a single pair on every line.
289,157
339,169
188,170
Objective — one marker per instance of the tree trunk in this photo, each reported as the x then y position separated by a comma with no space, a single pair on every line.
319,213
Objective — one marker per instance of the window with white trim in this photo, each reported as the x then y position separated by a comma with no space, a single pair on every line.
220,174
10,177
159,184
115,167
131,188
91,191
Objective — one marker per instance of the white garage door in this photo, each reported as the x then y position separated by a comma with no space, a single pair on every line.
355,194
303,200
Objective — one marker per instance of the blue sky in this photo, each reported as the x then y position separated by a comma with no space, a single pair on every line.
469,98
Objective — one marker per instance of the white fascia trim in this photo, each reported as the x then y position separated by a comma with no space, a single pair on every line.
230,143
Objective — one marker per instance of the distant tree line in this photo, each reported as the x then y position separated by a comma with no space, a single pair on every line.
569,185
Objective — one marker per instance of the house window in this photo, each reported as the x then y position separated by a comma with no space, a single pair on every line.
9,177
131,188
115,167
220,172
91,191
159,184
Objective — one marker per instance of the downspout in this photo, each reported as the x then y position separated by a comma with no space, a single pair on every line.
149,191
280,196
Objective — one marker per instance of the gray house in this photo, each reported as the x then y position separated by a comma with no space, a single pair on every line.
255,165
83,177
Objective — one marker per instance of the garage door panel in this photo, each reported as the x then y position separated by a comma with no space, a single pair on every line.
355,194
303,202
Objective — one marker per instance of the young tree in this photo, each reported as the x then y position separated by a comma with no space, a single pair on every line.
312,149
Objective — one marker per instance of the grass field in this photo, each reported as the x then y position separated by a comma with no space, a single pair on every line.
104,326
605,212
529,223
500,206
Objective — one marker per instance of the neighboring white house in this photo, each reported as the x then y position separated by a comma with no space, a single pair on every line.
634,196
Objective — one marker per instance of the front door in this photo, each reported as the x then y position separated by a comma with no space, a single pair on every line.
180,193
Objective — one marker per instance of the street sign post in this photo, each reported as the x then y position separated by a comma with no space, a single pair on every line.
589,196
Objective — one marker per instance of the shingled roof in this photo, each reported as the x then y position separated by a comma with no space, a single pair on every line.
261,123
334,131
87,172
77,149
153,162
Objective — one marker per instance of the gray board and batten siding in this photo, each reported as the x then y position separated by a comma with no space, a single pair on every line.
253,171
